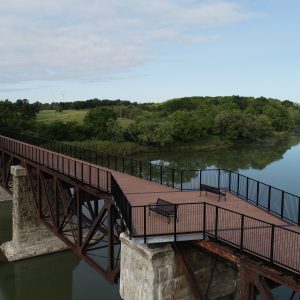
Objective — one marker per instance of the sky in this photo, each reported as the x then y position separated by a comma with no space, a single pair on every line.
149,51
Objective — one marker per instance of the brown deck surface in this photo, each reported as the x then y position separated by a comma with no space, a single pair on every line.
257,236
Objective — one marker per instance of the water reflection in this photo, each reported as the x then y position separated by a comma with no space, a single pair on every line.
274,165
233,158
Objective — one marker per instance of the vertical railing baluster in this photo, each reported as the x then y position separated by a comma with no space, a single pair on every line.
216,222
269,198
181,180
238,185
173,178
282,204
145,225
272,243
140,168
200,183
298,211
242,232
204,220
257,193
247,186
161,174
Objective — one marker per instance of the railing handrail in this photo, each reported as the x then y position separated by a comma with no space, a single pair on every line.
216,231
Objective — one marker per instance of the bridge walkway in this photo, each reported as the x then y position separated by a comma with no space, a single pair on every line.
234,221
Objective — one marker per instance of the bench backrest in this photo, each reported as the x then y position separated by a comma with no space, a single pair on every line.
167,206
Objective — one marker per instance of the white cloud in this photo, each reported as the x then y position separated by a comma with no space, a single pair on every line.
86,40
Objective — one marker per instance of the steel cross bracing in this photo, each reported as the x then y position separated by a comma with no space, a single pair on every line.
80,214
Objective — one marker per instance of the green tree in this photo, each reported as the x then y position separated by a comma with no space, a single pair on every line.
101,123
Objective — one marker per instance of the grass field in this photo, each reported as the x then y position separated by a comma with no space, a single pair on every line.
70,115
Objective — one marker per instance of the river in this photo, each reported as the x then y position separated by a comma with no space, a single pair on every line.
62,276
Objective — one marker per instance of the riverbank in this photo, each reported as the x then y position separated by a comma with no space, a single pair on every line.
211,143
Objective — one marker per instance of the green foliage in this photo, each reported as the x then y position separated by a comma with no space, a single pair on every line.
101,123
189,120
150,130
60,131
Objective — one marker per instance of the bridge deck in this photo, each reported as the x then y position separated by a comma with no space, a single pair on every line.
143,192
257,236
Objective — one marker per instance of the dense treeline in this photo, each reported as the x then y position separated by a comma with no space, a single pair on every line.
88,104
177,121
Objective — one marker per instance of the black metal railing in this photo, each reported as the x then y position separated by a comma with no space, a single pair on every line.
79,170
275,244
122,204
274,200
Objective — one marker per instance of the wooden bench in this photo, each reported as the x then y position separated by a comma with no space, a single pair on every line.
164,208
215,190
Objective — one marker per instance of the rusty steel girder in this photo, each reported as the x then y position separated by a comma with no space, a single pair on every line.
81,216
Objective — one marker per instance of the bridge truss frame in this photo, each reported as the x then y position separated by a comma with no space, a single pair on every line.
83,217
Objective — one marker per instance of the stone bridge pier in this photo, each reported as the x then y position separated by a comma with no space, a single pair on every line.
29,236
154,272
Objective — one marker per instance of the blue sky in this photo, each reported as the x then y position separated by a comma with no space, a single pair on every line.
141,50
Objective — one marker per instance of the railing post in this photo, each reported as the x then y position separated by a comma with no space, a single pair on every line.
272,244
115,162
299,211
140,167
204,219
216,222
200,180
229,181
242,232
145,224
108,160
161,174
257,193
150,172
282,204
107,184
175,222
123,165
181,180
238,185
247,186
131,167
173,178
219,178
269,199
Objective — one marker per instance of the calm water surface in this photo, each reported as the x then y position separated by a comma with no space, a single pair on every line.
63,276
